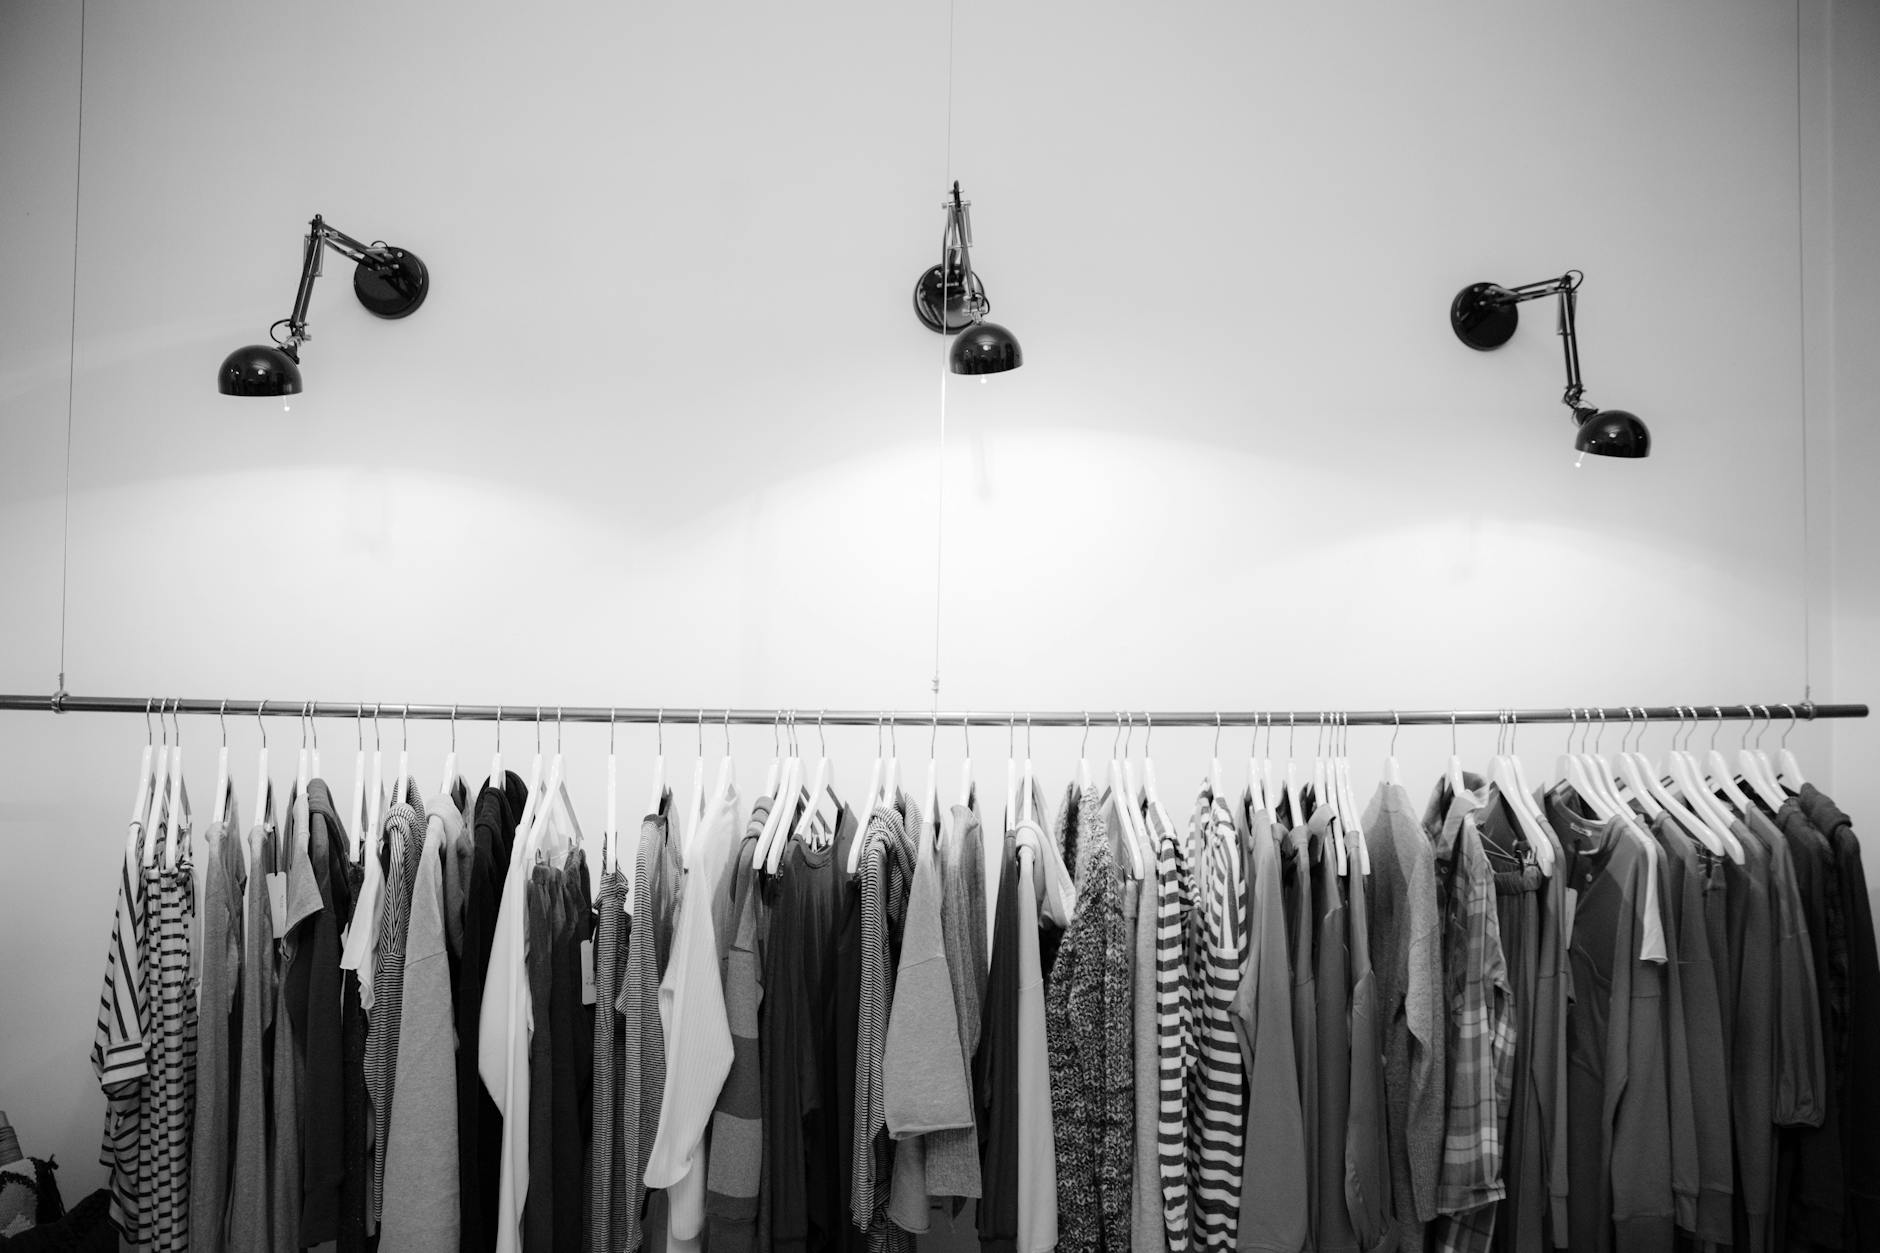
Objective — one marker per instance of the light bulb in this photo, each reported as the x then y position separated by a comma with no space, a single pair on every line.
285,407
1579,461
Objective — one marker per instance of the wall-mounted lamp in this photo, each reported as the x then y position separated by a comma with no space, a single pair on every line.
950,299
1484,316
389,282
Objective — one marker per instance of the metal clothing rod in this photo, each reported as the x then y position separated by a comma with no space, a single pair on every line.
1807,711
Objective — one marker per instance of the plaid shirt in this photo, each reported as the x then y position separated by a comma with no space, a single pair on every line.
1480,1028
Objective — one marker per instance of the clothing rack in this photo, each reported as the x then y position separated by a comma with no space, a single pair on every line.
59,702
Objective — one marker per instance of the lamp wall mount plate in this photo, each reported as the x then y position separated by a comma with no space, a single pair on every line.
390,282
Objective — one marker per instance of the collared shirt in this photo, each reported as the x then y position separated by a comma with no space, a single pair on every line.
1481,1024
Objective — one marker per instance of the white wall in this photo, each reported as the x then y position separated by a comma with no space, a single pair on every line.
665,432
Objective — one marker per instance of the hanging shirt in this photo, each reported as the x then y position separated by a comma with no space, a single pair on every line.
1035,1146
1480,1045
649,946
479,1122
998,1070
1088,1008
694,1024
224,883
504,1025
610,951
1217,1104
1861,1109
315,1005
404,847
736,1163
249,1225
1407,956
118,1057
887,872
1817,1208
421,1211
1619,1125
1174,1029
1274,1203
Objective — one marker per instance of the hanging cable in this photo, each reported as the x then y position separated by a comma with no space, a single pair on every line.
71,351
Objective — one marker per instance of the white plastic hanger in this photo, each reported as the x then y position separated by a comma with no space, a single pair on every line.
1214,763
610,830
774,775
303,762
659,762
145,766
1027,790
930,795
1393,773
1457,784
1791,770
1580,775
1634,774
1353,816
159,787
1599,769
356,814
497,778
1011,773
876,778
219,809
375,789
1325,792
727,774
1502,773
1269,790
555,790
695,807
1083,758
262,793
1702,804
891,776
1699,829
966,763
1119,798
821,786
777,829
533,798
1293,801
1717,771
1526,793
450,757
313,728
179,800
1146,801
1755,765
404,748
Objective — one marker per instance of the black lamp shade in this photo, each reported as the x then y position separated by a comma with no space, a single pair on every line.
258,370
1612,433
985,348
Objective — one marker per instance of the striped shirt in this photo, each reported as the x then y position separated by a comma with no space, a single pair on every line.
404,837
887,873
170,1087
118,1056
1175,1029
1217,1115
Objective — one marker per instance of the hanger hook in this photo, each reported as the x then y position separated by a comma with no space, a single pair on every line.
1789,728
1291,729
727,730
453,728
175,723
880,716
499,732
558,730
1011,737
611,715
378,741
1454,751
776,744
221,716
150,734
260,708
933,736
1718,711
822,745
1027,736
1084,749
966,734
659,730
1217,732
1148,730
1750,712
1116,740
313,724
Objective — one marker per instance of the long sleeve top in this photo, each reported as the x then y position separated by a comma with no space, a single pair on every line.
1088,1009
